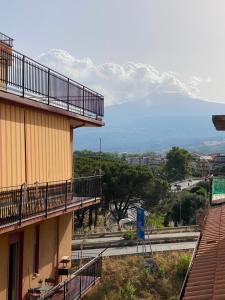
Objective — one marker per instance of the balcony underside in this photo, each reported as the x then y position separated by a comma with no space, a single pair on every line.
76,120
219,122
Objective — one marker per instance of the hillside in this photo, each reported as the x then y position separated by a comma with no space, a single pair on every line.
157,123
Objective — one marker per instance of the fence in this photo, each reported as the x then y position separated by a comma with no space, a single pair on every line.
79,283
28,78
24,202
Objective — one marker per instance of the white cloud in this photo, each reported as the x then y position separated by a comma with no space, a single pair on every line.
120,82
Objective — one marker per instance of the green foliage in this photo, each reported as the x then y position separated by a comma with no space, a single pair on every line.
123,185
185,207
182,265
128,293
155,220
178,164
129,235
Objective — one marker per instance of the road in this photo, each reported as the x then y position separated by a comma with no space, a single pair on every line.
133,249
152,236
185,184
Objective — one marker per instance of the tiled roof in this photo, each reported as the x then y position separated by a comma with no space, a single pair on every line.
206,279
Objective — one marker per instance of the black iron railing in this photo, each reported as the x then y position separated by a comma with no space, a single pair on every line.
79,283
6,40
28,78
18,204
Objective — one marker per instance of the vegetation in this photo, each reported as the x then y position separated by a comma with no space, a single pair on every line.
126,186
135,277
178,164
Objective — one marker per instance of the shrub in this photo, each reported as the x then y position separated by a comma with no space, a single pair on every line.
128,293
182,266
129,235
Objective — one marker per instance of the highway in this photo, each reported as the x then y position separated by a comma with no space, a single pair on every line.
133,249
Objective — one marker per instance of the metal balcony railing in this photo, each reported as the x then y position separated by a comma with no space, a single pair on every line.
25,77
79,283
8,41
18,204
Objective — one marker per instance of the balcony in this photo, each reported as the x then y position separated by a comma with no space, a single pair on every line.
25,77
20,206
78,285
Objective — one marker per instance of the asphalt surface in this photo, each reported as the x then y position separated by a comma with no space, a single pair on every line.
133,249
185,184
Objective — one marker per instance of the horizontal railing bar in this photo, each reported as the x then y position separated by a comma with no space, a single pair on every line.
29,78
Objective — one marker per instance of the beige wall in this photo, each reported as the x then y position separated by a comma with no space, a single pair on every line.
43,138
12,145
48,148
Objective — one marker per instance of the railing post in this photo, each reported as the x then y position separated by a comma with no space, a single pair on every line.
64,291
48,85
83,100
80,287
20,204
66,194
23,76
46,200
68,94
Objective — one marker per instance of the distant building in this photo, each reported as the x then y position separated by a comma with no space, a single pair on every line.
201,165
148,160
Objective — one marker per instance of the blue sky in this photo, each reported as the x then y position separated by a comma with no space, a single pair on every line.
126,48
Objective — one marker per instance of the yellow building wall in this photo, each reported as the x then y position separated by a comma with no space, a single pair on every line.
34,146
48,148
55,242
47,253
12,145
65,235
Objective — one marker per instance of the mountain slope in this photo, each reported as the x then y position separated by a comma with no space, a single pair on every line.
156,123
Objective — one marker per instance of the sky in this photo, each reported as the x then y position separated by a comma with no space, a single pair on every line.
126,49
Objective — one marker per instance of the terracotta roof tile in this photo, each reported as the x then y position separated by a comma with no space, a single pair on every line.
206,279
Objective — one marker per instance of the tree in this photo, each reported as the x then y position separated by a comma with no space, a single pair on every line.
124,187
186,206
178,164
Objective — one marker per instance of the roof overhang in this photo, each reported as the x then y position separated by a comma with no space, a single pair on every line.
76,120
219,122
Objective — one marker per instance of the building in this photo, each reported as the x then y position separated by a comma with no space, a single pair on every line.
201,165
153,160
39,110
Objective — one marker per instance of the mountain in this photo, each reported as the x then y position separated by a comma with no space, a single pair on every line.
156,123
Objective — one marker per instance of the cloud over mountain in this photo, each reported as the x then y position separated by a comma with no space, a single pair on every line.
120,82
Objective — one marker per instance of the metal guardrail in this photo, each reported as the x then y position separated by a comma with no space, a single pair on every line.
79,283
28,78
18,204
